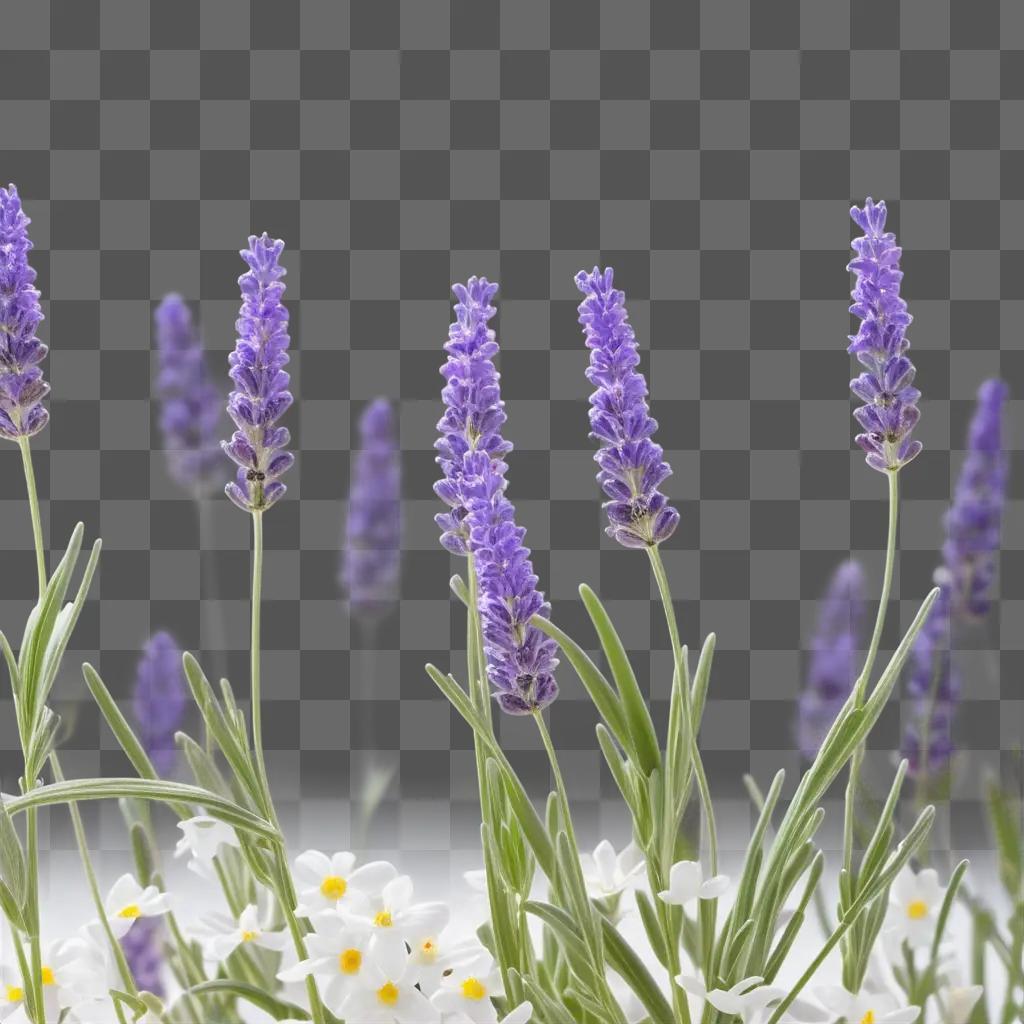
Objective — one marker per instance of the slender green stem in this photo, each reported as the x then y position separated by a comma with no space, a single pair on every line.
94,889
33,504
33,984
255,661
860,687
660,576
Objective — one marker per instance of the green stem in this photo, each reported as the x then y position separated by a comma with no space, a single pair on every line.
33,984
33,504
94,889
860,687
255,661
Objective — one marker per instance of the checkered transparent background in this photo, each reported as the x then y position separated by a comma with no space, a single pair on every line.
709,151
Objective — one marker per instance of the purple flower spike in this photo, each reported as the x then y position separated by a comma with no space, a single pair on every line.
890,412
373,532
632,466
521,659
261,394
22,387
474,412
143,949
974,521
834,654
159,700
190,404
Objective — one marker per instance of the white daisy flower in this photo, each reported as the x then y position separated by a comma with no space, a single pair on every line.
432,956
686,885
12,995
385,999
202,837
914,903
334,883
127,901
874,1007
396,920
339,954
467,992
606,873
220,935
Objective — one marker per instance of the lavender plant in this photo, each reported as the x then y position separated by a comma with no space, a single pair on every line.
352,935
734,960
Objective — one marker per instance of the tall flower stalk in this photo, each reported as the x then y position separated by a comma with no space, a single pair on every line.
258,447
22,414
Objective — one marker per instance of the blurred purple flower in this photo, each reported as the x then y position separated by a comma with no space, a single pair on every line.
22,387
890,412
143,949
834,654
261,394
970,554
159,700
974,520
373,533
190,403
632,466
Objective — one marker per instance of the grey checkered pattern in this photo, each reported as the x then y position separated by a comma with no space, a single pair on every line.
708,151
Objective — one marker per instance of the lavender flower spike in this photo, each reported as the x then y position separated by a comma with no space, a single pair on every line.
190,404
143,949
159,700
22,387
373,532
521,660
890,412
261,393
833,666
632,466
474,412
974,520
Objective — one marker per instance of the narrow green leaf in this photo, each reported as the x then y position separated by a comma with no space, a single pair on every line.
622,959
638,716
145,858
702,677
652,926
600,690
12,857
258,997
172,793
1007,830
568,932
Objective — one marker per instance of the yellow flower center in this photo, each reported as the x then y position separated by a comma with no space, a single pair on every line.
383,919
429,950
915,911
868,1018
350,961
472,989
248,936
333,887
388,994
15,994
131,912
47,977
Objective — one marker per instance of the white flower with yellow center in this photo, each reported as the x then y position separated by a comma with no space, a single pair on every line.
466,993
687,885
606,872
201,840
12,995
335,883
127,901
914,904
432,956
866,1007
396,920
339,954
385,998
220,935
746,999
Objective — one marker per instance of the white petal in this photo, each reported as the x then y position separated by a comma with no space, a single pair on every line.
692,984
906,1016
397,894
684,882
605,863
373,877
714,887
520,1015
342,864
311,868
